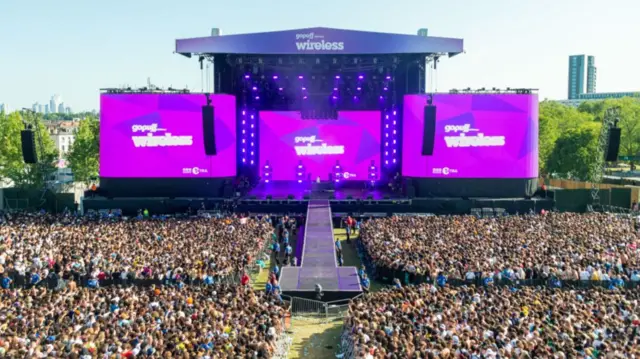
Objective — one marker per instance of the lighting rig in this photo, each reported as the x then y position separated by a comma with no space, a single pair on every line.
319,87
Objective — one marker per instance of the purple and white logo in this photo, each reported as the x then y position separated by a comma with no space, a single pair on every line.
313,42
313,146
157,141
464,140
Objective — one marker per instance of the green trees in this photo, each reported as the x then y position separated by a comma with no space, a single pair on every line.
12,166
568,137
84,156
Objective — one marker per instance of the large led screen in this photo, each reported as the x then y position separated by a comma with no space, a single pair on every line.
352,140
161,136
476,136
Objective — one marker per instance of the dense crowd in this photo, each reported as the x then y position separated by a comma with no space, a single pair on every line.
429,321
217,321
39,246
566,246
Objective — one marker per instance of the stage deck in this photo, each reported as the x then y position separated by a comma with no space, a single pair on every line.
282,190
318,264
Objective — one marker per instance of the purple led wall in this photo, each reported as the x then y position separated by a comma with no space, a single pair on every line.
476,136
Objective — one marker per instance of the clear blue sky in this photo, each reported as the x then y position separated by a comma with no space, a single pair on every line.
75,47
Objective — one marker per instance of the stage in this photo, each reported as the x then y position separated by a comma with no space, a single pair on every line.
281,190
318,263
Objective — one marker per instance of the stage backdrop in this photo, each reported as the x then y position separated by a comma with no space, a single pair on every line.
161,136
476,136
353,139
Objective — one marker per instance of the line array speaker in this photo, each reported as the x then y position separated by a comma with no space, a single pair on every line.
429,130
29,154
209,130
614,145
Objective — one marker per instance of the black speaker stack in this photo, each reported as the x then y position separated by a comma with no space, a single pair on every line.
29,154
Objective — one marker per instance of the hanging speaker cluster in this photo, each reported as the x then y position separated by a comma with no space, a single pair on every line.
28,142
613,148
209,130
429,130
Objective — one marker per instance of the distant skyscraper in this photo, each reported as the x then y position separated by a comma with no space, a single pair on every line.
61,107
4,108
46,109
591,74
34,107
576,76
40,108
54,103
67,110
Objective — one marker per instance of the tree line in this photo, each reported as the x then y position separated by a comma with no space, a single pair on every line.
568,140
568,137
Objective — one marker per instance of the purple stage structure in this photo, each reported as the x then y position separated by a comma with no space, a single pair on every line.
318,264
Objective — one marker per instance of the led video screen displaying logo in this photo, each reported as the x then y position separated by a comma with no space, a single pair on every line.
353,141
161,136
476,136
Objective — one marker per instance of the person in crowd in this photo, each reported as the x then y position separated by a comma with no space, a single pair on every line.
38,249
219,321
429,321
568,246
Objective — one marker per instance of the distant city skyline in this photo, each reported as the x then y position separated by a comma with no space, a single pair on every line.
508,44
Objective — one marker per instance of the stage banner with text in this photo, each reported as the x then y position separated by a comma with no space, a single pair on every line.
352,141
161,136
476,136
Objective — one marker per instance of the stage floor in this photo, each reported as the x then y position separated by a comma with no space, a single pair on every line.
282,190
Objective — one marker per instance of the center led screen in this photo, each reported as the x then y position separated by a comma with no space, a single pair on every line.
353,141
161,136
476,136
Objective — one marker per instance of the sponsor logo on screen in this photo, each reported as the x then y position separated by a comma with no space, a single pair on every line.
164,139
466,136
194,171
347,175
445,171
313,146
313,42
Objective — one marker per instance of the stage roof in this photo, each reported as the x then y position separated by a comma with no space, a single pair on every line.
319,41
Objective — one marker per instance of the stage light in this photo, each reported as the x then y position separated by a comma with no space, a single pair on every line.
299,181
359,88
266,166
386,162
304,89
246,76
386,88
299,166
275,77
252,117
243,150
386,117
243,122
338,77
252,125
280,89
251,161
251,153
299,174
386,126
244,113
243,141
266,181
257,97
360,77
388,77
335,89
254,88
300,77
394,113
243,131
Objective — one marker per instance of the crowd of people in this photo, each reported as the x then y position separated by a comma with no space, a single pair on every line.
430,321
217,321
38,247
566,246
